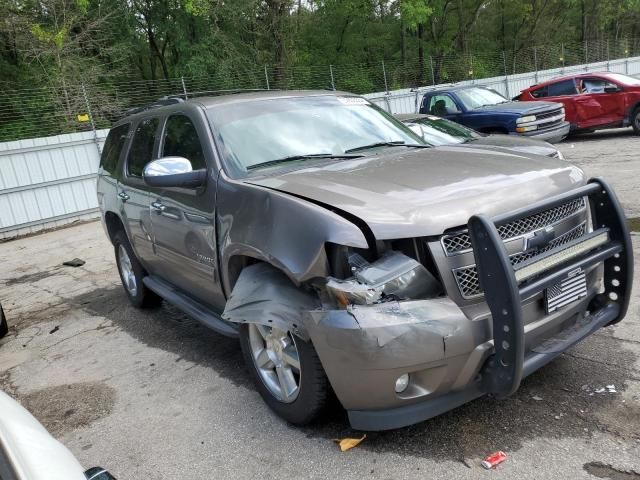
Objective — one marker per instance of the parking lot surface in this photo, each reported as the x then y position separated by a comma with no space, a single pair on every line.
152,394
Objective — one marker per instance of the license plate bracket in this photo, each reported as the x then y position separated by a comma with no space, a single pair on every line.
573,287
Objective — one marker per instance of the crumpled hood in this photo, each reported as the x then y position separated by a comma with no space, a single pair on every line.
422,192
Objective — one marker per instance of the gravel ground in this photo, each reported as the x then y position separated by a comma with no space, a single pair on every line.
152,394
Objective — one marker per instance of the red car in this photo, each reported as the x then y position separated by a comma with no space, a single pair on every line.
592,100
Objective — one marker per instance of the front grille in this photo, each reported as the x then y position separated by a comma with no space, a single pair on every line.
467,277
461,242
551,113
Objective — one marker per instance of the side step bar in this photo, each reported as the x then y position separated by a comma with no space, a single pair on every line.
191,307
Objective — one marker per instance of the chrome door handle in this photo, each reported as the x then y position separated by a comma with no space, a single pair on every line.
123,196
158,206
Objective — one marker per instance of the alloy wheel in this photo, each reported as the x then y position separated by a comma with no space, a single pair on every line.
277,361
126,270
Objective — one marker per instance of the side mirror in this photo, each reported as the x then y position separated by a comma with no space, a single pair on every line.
173,172
611,89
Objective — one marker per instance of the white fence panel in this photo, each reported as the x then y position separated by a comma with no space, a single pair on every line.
407,100
47,182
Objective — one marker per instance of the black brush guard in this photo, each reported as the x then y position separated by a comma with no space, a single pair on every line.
504,369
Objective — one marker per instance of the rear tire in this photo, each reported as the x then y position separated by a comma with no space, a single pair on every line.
308,400
4,327
132,274
635,121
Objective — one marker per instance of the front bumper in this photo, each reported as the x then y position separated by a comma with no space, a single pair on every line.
552,135
453,357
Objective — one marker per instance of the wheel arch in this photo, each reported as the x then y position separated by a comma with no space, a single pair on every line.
264,294
113,224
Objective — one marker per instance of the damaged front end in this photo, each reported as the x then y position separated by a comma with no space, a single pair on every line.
393,276
388,335
401,340
446,351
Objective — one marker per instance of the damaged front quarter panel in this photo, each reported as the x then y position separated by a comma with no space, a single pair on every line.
266,296
282,230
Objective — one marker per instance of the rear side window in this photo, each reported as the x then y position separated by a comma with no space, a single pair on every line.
565,87
181,140
141,151
113,147
540,92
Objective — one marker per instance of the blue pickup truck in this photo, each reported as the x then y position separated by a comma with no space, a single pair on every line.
485,110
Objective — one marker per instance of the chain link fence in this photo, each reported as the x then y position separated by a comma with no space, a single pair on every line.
74,107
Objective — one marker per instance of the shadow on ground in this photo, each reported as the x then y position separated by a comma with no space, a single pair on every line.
170,330
600,135
556,402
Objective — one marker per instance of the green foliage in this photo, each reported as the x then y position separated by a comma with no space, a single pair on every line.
108,45
415,12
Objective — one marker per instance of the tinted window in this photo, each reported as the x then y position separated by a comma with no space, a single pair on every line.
141,151
112,148
540,92
181,140
566,87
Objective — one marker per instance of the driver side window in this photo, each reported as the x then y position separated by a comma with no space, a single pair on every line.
441,105
181,140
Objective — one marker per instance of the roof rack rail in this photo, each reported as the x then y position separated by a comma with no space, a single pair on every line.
161,102
230,91
184,96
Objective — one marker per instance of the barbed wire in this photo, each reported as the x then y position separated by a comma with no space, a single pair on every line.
74,107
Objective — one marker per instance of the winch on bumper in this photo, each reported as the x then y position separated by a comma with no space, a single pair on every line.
452,356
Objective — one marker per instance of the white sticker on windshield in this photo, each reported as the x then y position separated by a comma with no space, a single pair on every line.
353,100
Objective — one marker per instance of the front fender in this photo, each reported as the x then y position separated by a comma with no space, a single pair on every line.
285,231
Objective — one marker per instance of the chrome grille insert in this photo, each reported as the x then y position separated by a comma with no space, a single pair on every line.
460,242
467,277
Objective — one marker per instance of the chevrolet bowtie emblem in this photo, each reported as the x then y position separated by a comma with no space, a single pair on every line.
538,239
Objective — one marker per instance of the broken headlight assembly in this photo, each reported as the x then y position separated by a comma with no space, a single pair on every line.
394,276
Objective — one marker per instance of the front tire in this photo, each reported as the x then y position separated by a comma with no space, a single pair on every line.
4,327
132,274
635,121
286,371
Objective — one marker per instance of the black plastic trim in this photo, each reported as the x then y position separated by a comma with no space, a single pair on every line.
388,419
191,307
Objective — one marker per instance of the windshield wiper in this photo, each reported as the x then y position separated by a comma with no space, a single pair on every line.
293,158
396,143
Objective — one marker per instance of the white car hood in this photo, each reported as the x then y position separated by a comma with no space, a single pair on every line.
31,451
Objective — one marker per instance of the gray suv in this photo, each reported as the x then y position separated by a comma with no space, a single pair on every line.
350,257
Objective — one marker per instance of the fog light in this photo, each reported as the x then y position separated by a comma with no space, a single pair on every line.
402,383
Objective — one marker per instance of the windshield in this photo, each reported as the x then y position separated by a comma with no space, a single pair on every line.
624,79
302,129
439,131
479,97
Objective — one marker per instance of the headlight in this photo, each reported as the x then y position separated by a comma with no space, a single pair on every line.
394,276
527,119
